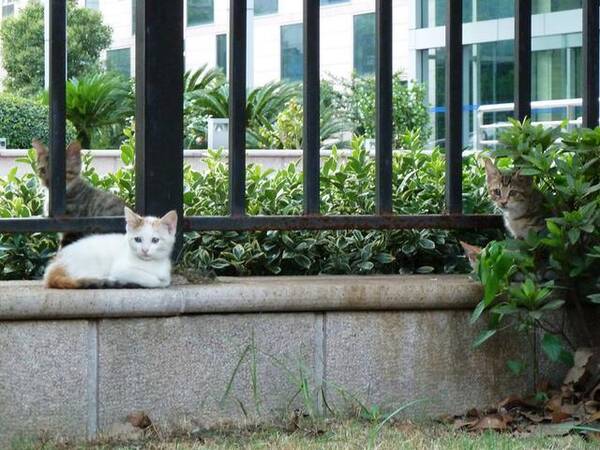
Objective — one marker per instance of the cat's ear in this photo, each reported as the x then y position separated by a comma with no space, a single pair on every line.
490,168
74,150
170,220
471,252
132,219
40,148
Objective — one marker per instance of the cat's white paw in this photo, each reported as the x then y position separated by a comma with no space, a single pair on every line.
164,282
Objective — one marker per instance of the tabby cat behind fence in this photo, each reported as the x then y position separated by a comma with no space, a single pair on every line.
518,199
83,200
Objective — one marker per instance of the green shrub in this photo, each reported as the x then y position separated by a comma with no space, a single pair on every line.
287,130
211,99
23,256
357,102
274,111
22,120
347,188
559,266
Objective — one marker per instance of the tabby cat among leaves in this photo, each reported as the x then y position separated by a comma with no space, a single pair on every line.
518,199
83,200
139,258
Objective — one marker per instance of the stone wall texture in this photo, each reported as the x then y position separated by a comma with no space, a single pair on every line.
79,376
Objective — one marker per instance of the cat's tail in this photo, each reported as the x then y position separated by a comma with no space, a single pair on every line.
56,277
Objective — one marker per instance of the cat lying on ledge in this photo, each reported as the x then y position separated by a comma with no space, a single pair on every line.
141,257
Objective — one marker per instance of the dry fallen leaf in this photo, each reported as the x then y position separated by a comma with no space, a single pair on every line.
492,422
461,423
139,419
513,401
559,417
533,417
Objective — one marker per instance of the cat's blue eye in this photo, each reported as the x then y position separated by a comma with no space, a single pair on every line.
137,239
155,240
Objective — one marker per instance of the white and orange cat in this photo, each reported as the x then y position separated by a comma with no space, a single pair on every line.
141,257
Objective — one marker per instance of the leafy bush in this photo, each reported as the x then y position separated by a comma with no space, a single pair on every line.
347,188
357,101
22,120
274,111
23,256
212,100
287,130
558,266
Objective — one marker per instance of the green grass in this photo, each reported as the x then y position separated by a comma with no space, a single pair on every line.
352,434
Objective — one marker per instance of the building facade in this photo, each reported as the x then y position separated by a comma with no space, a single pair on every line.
347,36
488,37
348,44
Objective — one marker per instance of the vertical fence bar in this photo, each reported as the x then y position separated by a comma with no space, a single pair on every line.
311,137
237,107
384,107
454,102
159,108
57,100
522,75
590,63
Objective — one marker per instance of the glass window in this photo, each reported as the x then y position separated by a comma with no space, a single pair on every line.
497,9
437,17
200,12
265,7
119,61
364,43
92,4
222,52
8,10
291,52
496,72
546,6
332,2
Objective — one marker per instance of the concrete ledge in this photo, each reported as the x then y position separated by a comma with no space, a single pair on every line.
74,363
29,300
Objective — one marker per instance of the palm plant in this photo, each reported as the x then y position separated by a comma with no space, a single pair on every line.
202,79
211,99
96,102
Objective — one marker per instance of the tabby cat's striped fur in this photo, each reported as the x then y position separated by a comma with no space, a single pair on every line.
518,199
83,200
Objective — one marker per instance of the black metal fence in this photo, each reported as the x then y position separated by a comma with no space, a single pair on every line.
159,121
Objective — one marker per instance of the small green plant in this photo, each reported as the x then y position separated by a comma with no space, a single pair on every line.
526,280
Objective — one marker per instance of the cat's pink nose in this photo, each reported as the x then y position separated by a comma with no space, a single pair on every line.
145,251
503,204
